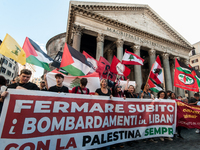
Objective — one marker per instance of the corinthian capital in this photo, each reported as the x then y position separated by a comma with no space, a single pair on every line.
152,52
165,56
77,29
136,48
119,43
100,37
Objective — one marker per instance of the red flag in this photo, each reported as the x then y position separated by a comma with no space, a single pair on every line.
93,62
193,71
107,67
118,68
156,71
112,76
106,70
183,77
100,68
96,65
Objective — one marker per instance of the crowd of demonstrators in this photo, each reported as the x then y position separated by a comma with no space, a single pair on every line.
22,82
82,88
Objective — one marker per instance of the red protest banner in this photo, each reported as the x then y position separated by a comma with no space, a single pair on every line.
188,115
50,120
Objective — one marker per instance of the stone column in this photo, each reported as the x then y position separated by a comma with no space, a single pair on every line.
109,55
119,44
152,57
100,45
190,93
137,69
167,74
131,76
172,75
77,32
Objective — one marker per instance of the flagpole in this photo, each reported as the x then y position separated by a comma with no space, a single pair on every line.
119,77
108,75
148,76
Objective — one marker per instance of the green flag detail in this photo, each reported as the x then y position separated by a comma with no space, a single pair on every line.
16,51
185,70
131,57
75,82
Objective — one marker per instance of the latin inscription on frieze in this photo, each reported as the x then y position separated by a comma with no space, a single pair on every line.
139,39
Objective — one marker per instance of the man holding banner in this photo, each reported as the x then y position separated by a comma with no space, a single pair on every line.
59,87
24,83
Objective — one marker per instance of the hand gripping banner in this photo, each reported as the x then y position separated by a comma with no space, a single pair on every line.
40,120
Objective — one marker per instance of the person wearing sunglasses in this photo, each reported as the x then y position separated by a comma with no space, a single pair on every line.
117,91
43,86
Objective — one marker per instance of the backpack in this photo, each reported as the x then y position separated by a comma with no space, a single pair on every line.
76,89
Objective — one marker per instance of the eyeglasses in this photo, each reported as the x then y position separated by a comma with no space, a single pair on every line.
42,82
119,87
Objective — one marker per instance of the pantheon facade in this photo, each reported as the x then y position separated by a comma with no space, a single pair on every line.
107,29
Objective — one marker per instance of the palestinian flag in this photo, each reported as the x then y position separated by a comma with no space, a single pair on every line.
184,78
35,55
62,71
153,86
118,68
74,62
156,72
73,81
131,59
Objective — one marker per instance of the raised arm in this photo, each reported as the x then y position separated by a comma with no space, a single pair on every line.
126,87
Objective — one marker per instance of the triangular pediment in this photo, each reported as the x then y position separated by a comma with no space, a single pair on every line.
141,20
137,16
